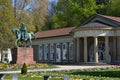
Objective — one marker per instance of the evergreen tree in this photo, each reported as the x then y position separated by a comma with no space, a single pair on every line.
24,69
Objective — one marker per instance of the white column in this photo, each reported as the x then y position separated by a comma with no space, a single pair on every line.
78,52
85,49
95,49
106,49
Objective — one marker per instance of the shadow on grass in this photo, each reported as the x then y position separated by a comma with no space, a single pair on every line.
115,74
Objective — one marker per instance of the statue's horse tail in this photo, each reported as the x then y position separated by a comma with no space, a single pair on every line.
33,35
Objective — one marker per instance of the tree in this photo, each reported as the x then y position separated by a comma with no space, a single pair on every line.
72,12
51,23
6,24
102,1
31,12
24,69
52,8
22,13
114,8
39,11
102,6
108,7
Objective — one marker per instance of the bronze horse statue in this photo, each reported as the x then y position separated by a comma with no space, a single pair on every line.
23,37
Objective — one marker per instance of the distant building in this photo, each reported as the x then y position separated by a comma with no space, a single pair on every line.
97,40
6,56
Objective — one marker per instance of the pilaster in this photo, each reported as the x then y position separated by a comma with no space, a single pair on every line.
85,49
78,50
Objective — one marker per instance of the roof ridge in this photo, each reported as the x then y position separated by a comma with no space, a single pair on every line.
54,32
108,15
57,29
111,16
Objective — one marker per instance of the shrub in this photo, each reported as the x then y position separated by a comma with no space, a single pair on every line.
24,69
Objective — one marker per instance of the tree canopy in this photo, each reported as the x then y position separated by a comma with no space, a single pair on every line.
31,12
113,8
71,13
6,24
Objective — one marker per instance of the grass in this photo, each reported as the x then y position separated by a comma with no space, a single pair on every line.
31,76
105,73
110,74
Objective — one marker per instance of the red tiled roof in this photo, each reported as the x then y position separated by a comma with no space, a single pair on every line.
54,33
113,18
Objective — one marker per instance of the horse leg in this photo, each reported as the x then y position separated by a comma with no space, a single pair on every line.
24,43
16,42
30,45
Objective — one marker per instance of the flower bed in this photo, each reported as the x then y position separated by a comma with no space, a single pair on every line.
6,67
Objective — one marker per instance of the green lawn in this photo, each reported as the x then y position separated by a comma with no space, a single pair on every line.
111,74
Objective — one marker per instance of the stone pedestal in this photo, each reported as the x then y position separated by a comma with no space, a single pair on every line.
23,55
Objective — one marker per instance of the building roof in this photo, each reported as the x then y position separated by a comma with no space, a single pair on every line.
54,33
113,18
99,21
95,24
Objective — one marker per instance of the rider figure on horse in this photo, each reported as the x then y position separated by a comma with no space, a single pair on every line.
22,35
23,32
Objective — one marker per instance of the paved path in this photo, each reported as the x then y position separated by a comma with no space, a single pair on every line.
72,67
62,68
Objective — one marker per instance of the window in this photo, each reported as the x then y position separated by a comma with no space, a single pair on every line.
46,52
51,51
58,52
64,51
71,56
40,54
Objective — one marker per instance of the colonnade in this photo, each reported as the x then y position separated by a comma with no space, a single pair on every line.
56,52
85,50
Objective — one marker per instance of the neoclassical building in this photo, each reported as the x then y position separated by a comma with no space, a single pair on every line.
97,40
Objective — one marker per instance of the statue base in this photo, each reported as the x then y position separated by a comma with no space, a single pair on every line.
23,55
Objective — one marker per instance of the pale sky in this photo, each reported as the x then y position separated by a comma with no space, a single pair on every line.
53,0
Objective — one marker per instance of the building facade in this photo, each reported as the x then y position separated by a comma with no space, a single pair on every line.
5,55
97,40
54,46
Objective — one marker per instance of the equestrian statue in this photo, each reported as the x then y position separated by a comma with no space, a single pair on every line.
23,36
